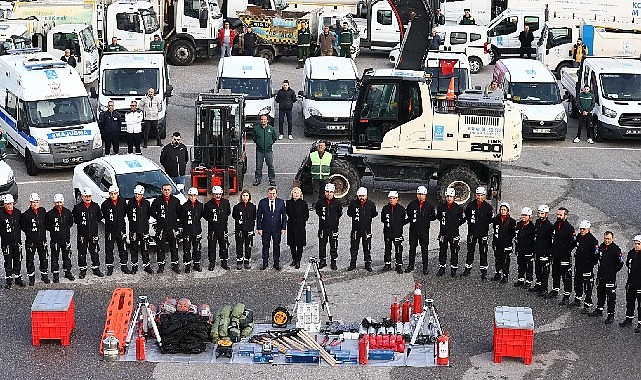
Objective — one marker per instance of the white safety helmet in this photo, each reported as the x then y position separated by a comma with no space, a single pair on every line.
544,208
526,211
217,190
421,190
507,205
361,191
585,224
85,191
139,189
34,197
192,191
393,194
330,187
450,192
114,189
58,198
481,190
636,238
8,198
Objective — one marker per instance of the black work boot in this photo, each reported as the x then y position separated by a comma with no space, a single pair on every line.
637,329
565,301
483,274
247,266
535,289
45,278
453,272
466,272
125,269
187,268
98,272
519,283
333,265
197,267
134,268
56,278
441,271
585,310
161,268
596,313
296,264
223,264
610,319
82,274
110,270
8,283
69,276
322,264
410,268
504,279
175,268
577,302
626,322
147,269
32,280
425,270
239,265
497,276
386,267
352,265
368,266
399,268
551,294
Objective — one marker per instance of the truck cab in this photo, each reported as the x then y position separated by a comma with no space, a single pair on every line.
79,39
134,23
503,32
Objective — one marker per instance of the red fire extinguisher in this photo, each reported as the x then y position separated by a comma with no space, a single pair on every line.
443,349
363,345
407,309
395,310
418,299
140,346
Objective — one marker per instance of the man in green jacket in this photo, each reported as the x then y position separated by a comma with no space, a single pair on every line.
345,39
467,18
157,44
264,136
304,39
321,162
585,102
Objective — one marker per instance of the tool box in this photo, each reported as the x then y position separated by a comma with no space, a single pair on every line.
297,356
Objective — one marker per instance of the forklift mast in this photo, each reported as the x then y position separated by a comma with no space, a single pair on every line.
418,18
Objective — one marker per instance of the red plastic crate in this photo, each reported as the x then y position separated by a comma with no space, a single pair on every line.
513,342
48,324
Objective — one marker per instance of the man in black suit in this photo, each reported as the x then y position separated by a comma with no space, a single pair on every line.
271,223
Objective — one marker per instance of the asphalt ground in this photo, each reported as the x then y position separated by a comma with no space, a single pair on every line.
597,182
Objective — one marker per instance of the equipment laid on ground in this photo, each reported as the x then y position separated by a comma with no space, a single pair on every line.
281,317
513,333
233,323
144,316
308,313
110,347
119,313
224,348
219,154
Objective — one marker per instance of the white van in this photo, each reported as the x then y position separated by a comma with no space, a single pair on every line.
252,77
468,39
503,32
126,76
46,112
533,89
328,96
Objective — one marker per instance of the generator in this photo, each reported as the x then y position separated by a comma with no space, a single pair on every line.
219,153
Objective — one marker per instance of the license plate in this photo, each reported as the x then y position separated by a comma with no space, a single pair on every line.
336,127
541,130
71,160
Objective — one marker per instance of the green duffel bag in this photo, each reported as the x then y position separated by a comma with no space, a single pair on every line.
238,310
214,329
247,331
223,328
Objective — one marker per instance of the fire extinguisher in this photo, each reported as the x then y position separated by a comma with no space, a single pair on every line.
443,349
418,299
395,310
407,309
140,346
363,347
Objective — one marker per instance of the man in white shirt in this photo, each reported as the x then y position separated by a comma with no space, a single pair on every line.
133,120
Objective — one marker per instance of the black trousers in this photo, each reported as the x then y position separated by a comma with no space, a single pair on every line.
472,241
525,50
111,141
584,283
398,250
133,140
632,297
90,243
318,188
454,243
12,260
585,121
502,259
192,250
606,290
56,249
416,240
562,268
43,256
150,125
525,264
282,115
217,238
323,238
542,271
356,239
244,244
166,239
117,239
138,243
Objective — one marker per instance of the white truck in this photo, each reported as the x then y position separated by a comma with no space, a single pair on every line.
616,84
13,36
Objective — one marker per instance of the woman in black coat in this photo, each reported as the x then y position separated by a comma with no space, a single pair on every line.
297,215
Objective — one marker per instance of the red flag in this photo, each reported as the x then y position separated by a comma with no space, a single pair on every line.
447,66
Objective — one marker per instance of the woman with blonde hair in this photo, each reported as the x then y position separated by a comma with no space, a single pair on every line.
297,215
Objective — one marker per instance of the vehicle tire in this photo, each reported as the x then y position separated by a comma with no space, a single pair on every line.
463,180
32,169
182,53
562,138
268,54
597,131
475,64
346,179
574,110
562,65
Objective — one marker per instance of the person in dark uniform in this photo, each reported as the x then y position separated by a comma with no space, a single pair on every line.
165,209
345,40
249,42
586,257
271,223
114,211
114,45
524,245
633,285
525,38
109,123
420,214
502,242
297,216
562,245
191,213
542,250
32,223
439,18
59,221
216,212
329,211
244,214
69,59
394,217
467,18
362,211
138,213
11,242
86,216
610,262
450,216
478,214
304,40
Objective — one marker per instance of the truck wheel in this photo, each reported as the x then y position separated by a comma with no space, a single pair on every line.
475,64
463,180
346,179
182,53
32,169
267,54
562,65
597,131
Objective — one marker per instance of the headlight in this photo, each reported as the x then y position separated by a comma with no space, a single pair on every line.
608,112
314,112
10,177
265,110
97,142
560,116
43,145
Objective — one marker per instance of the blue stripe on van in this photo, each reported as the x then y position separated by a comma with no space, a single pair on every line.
9,121
588,38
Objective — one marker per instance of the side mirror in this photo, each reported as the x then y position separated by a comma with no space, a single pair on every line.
94,94
180,187
169,91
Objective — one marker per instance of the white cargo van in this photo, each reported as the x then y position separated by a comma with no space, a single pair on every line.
252,77
328,95
45,111
533,89
126,76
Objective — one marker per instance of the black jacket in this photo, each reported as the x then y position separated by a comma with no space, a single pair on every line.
217,215
587,252
393,220
114,215
244,216
109,122
362,215
166,213
504,231
285,99
329,214
10,227
526,38
138,215
450,218
87,218
478,218
610,262
297,216
190,216
249,43
525,234
71,60
562,240
33,225
174,159
543,238
419,217
633,262
59,225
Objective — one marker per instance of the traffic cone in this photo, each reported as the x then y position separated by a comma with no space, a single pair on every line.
450,90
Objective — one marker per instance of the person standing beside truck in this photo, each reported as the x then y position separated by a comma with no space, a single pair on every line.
326,41
345,39
526,37
109,125
285,97
467,18
304,40
439,18
578,52
264,136
249,42
435,40
585,103
226,37
151,106
70,59
173,158
133,120
157,44
114,45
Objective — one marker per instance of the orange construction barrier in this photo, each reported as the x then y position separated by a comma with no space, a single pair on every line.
450,90
119,314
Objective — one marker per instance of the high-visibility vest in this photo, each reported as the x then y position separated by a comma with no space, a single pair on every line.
320,165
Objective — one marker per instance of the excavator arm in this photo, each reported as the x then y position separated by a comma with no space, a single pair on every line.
418,17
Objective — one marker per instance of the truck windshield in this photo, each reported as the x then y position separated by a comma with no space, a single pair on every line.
325,89
129,81
440,82
535,93
86,36
149,20
60,112
621,86
253,88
